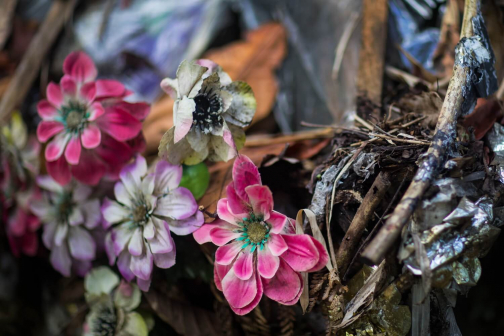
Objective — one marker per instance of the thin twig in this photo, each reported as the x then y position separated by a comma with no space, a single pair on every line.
436,155
343,42
263,140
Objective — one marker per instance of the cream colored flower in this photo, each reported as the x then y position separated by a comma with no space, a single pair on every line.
209,114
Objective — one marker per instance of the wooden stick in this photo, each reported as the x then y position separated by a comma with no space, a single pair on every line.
436,155
372,52
262,140
28,69
366,210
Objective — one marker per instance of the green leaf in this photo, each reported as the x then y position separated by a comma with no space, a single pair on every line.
196,178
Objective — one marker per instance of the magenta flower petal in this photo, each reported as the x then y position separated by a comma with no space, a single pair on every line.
60,259
220,272
119,124
165,260
142,265
131,174
323,256
56,147
226,254
302,253
48,234
186,226
54,94
225,214
239,293
267,263
245,173
261,200
202,235
178,204
243,266
248,308
137,110
109,88
91,137
222,236
167,177
29,244
46,111
81,267
59,170
73,150
95,110
121,236
144,285
61,234
89,170
47,129
109,249
88,92
123,264
235,203
80,67
277,222
162,241
81,243
277,244
68,86
135,245
284,286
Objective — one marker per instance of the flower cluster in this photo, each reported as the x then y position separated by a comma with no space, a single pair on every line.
148,207
259,252
112,305
19,164
67,214
94,131
209,114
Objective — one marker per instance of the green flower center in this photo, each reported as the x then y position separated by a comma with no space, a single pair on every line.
75,116
140,214
254,231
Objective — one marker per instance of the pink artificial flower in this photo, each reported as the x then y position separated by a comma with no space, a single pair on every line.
148,207
259,251
22,225
68,216
89,124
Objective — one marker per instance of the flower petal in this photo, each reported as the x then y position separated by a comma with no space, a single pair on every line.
47,129
142,265
106,88
49,233
88,92
123,264
267,263
59,170
243,105
144,285
113,212
302,253
119,124
81,193
222,151
149,230
198,140
183,117
68,86
54,94
277,222
225,214
248,308
235,203
226,254
186,226
277,244
239,293
162,241
61,234
261,200
91,136
178,204
222,236
76,217
80,67
46,111
121,236
122,195
168,177
136,243
220,272
323,256
73,150
243,267
180,152
137,110
245,173
60,259
188,74
170,86
90,168
56,147
165,260
109,249
48,183
95,110
285,286
147,185
202,235
132,174
81,243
